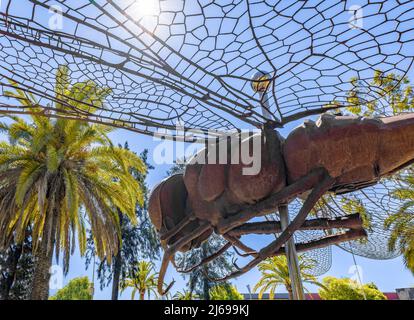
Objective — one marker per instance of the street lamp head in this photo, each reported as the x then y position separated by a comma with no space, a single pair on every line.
261,81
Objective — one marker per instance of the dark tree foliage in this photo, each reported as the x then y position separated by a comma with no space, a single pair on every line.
138,241
16,271
178,167
199,282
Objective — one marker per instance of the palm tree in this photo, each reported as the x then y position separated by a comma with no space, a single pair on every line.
59,176
401,224
275,272
225,291
143,280
186,295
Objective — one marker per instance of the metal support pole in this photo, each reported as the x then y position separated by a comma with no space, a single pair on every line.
292,257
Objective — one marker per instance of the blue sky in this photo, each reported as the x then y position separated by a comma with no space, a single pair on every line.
388,275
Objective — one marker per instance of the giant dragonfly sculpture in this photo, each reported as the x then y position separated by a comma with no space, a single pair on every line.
197,63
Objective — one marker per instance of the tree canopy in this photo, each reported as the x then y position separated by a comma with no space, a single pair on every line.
225,291
348,289
77,289
275,273
142,279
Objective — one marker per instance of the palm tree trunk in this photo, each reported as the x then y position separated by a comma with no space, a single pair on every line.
206,288
142,295
192,285
43,261
117,275
41,275
290,292
206,281
117,266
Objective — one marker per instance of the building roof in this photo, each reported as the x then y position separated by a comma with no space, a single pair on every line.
309,296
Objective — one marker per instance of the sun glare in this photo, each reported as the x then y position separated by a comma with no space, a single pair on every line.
144,8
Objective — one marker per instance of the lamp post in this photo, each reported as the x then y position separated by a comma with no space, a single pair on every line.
292,257
250,291
260,84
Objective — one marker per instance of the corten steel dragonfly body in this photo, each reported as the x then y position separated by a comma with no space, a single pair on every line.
192,62
335,154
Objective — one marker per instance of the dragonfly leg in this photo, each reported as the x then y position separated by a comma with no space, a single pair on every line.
232,242
171,251
352,221
317,192
270,204
166,236
238,244
208,259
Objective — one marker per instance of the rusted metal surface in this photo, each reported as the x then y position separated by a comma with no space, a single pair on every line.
353,221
